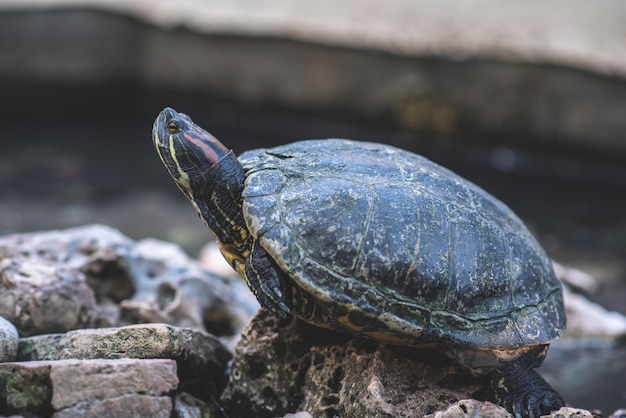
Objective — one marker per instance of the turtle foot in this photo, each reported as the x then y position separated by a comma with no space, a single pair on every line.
535,403
270,299
522,391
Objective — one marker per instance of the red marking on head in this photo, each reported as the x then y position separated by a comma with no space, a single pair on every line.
209,153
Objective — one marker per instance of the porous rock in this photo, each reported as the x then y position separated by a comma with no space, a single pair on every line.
198,354
567,412
277,369
69,386
471,408
287,367
8,341
39,296
117,281
175,289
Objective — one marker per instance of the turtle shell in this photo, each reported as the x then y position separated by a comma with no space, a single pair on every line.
398,248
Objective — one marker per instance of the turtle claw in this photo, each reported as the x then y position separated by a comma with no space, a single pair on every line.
272,299
536,404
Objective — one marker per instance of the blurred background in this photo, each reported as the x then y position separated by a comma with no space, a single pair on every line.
527,100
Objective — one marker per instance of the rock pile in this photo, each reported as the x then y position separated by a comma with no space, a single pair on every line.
73,295
93,324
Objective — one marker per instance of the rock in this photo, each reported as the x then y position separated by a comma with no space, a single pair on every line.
575,278
68,386
123,406
39,296
76,381
567,412
300,414
177,290
471,408
211,258
620,413
188,406
99,251
117,282
276,371
8,341
586,319
197,354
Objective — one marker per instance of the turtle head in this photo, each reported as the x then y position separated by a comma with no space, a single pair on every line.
190,154
208,173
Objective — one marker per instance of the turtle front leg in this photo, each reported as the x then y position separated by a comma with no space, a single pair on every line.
265,282
521,390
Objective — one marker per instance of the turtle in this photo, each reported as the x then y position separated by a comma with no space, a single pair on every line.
379,242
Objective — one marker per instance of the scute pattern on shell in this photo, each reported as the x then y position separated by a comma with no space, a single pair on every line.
401,248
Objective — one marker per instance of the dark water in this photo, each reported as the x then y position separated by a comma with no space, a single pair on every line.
75,154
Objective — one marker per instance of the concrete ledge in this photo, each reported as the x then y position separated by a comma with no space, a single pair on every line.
573,33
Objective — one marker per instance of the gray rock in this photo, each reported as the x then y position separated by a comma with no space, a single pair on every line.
92,253
197,354
620,413
299,414
471,408
133,282
175,289
39,296
567,412
8,341
188,406
589,320
75,247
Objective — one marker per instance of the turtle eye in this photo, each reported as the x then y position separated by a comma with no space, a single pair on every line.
173,126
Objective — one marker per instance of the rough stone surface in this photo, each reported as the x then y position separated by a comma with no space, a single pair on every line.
197,353
178,290
279,368
276,371
70,385
40,296
135,405
8,341
50,280
76,381
300,414
25,388
471,408
567,412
